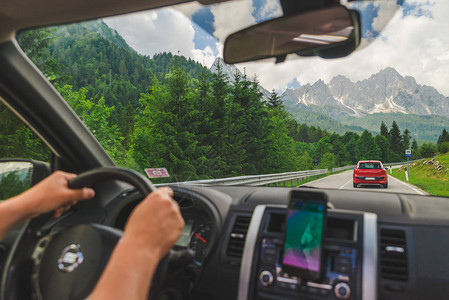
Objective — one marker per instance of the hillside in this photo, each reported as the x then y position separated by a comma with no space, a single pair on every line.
323,121
423,128
95,57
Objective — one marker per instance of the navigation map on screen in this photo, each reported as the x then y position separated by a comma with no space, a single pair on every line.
304,232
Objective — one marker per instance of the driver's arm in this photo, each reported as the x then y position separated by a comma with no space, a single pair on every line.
152,229
51,194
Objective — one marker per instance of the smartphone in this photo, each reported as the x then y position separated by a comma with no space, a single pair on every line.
304,234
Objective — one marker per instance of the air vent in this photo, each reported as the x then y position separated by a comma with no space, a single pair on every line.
238,235
393,255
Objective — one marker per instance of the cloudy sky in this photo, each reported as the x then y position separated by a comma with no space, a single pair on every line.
414,41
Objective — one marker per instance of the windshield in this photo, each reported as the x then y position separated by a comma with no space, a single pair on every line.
154,90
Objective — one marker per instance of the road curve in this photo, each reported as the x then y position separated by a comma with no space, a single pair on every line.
343,181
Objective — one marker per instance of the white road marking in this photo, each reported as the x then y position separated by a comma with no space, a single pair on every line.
340,188
418,191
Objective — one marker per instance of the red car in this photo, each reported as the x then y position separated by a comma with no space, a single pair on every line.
370,172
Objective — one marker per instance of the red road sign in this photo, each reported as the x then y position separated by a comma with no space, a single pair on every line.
157,172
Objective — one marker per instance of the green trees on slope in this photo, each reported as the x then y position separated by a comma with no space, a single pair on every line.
208,128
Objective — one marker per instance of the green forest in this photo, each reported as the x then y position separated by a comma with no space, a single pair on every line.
171,112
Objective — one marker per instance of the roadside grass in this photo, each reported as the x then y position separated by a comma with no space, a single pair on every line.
432,177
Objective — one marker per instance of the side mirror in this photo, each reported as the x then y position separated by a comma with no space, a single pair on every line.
386,168
18,175
328,32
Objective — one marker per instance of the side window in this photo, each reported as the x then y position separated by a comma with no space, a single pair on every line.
17,141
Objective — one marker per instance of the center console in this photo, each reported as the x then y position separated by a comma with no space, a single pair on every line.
350,257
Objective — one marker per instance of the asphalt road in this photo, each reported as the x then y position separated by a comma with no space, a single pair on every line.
343,181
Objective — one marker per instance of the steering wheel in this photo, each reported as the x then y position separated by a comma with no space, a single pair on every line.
68,263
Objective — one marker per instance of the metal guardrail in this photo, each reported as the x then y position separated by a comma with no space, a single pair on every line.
258,180
265,179
402,163
342,168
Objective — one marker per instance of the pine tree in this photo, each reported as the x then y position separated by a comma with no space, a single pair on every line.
274,101
444,136
367,148
405,140
395,140
384,130
384,147
415,153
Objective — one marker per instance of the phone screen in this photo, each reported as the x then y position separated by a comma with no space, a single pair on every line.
303,244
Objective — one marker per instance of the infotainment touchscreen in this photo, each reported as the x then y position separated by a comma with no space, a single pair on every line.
303,245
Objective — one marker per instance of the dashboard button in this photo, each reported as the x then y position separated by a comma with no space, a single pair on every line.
266,278
342,291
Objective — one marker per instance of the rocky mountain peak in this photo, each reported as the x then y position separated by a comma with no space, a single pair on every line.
388,74
339,80
384,92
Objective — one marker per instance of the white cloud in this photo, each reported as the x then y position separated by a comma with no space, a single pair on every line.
158,31
189,8
414,45
155,31
270,9
231,17
205,57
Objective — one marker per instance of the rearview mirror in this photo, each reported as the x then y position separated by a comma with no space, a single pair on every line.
329,32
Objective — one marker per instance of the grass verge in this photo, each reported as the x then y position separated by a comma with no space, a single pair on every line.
431,175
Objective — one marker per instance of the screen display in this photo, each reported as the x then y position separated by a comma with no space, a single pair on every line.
304,235
184,239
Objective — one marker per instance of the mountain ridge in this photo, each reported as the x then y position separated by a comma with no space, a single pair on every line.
384,92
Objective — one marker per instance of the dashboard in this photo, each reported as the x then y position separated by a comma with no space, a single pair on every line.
377,245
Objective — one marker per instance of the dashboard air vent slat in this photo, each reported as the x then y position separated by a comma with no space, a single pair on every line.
238,235
393,254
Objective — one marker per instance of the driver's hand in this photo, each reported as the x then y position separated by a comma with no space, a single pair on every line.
53,194
152,229
155,224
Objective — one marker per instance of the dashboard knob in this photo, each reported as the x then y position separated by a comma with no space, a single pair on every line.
342,291
266,278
